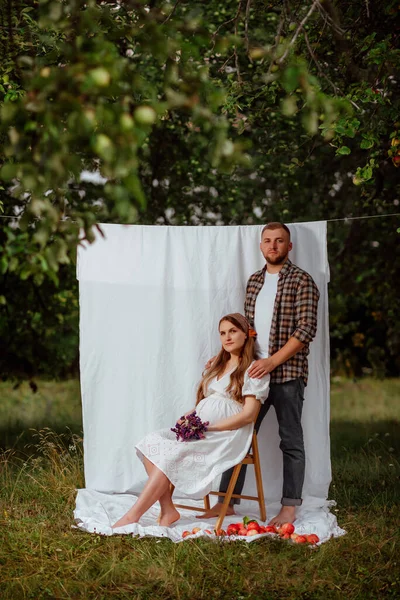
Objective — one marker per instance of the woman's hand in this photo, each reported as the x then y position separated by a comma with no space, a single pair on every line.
189,412
246,416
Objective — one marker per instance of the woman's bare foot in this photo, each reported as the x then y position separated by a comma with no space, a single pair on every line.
214,511
166,518
125,520
287,514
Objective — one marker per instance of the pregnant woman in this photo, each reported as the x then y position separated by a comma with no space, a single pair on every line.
229,400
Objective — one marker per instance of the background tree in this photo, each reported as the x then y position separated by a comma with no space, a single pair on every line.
198,113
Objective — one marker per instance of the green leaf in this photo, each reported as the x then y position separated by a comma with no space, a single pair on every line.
133,184
366,143
289,106
8,171
367,173
291,78
247,520
310,122
3,265
343,150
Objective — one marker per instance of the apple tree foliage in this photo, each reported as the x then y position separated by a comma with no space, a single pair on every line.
195,112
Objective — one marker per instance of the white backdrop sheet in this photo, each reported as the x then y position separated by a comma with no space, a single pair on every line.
150,301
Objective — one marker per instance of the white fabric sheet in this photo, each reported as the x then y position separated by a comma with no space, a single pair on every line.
150,301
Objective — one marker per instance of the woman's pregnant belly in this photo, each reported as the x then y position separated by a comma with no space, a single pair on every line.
216,407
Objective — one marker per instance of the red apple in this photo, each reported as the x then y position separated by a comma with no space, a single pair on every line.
242,531
219,532
251,532
286,528
186,533
232,529
195,530
312,538
253,525
301,539
294,536
262,529
285,536
270,529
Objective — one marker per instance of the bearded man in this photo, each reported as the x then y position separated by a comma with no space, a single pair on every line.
281,305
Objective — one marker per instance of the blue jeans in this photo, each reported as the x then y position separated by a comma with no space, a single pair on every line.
287,399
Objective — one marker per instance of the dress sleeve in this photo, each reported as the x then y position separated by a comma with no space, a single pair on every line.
256,387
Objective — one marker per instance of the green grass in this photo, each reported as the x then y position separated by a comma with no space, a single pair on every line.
42,557
55,404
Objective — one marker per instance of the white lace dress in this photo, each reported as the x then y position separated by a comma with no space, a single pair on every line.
193,465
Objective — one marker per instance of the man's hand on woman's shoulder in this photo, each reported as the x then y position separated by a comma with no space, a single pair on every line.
261,367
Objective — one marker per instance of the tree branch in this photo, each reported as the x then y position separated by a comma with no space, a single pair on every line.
331,11
235,18
172,11
239,77
320,71
246,24
300,27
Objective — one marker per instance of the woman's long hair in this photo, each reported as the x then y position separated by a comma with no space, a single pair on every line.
247,356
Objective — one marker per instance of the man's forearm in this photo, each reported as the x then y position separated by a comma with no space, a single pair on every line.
266,365
292,347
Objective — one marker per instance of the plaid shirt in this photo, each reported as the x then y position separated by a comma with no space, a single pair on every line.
295,315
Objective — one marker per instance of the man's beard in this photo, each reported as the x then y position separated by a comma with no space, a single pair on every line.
277,260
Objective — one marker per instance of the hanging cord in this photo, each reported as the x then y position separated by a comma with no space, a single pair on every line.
366,217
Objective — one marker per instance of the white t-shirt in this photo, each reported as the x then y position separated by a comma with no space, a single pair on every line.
263,312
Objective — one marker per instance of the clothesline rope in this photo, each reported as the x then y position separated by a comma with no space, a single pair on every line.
327,220
365,217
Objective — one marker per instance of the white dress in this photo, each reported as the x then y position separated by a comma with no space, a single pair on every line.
193,465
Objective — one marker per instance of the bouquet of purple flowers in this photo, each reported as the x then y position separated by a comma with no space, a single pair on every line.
190,427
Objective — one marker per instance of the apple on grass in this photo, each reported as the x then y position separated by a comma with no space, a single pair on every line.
312,538
287,528
301,539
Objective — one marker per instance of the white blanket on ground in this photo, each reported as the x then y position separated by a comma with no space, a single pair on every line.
151,298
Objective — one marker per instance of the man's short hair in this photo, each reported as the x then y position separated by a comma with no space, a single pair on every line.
276,225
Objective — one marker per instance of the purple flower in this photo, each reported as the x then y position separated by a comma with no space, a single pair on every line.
190,427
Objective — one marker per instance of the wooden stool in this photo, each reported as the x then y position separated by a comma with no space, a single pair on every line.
251,458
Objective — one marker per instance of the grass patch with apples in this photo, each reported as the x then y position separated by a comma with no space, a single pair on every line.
42,557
